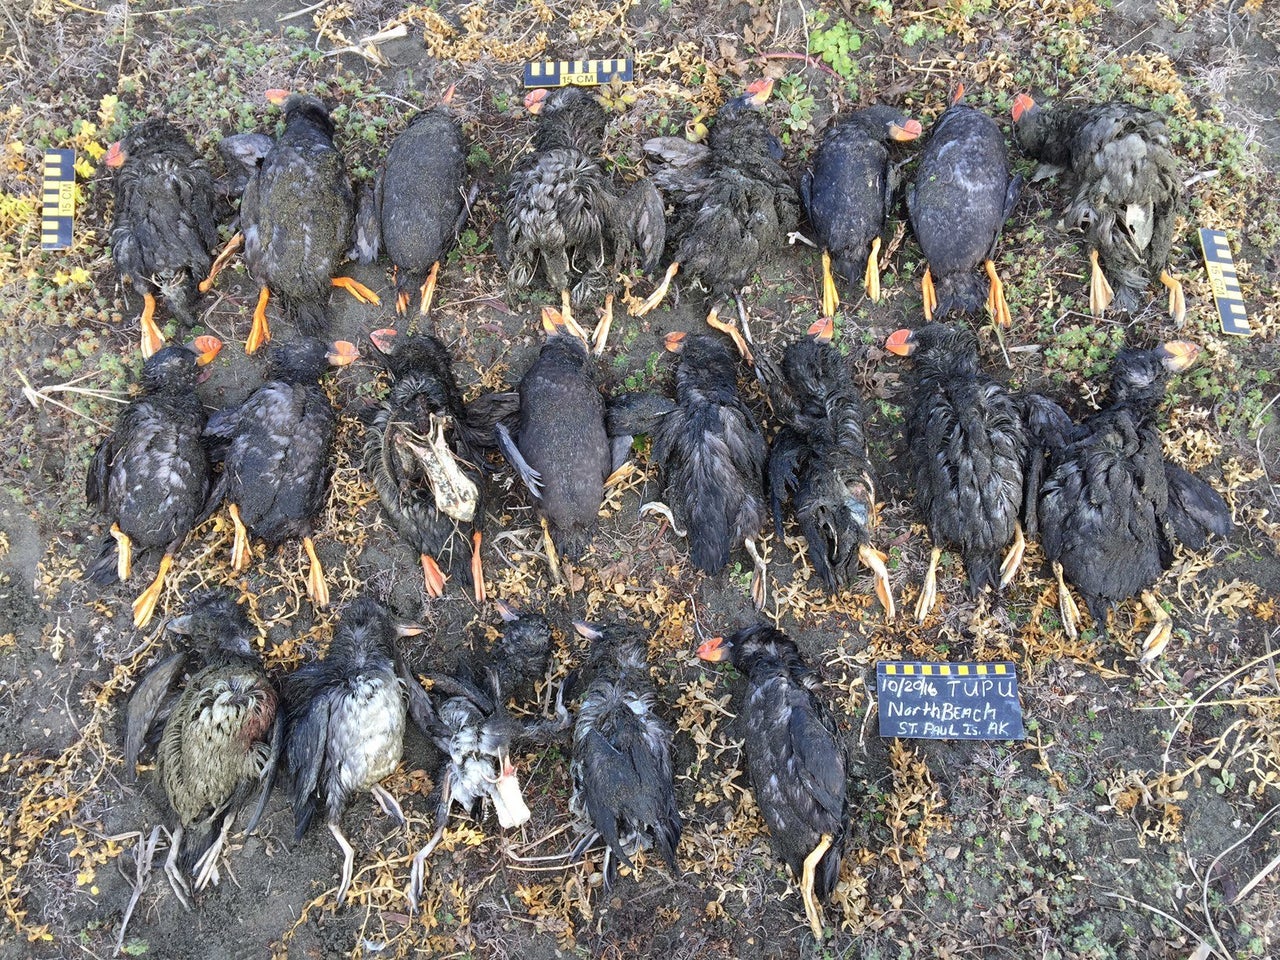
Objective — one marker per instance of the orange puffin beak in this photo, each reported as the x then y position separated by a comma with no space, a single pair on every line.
900,343
534,99
448,94
674,341
410,629
115,155
205,348
1179,354
908,131
276,95
552,321
714,650
823,330
342,352
1021,104
384,339
760,91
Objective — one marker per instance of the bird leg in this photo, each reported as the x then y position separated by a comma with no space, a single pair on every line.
420,858
356,289
640,308
221,261
142,859
145,605
402,296
601,334
432,577
428,290
812,909
240,543
206,868
929,591
1013,559
758,577
389,804
124,552
742,317
1177,300
927,293
317,589
1067,608
1160,634
830,296
872,279
996,303
152,338
553,559
874,560
1100,292
715,323
260,332
566,313
662,510
477,568
171,870
348,862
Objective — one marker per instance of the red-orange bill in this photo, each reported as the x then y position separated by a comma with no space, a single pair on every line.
823,330
205,348
713,650
1179,354
342,352
899,343
276,95
674,341
1021,104
115,155
384,339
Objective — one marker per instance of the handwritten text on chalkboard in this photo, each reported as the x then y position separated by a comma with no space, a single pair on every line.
949,701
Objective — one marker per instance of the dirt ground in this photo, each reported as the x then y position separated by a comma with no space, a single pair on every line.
1130,823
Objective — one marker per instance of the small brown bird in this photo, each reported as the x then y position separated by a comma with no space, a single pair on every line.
344,724
221,735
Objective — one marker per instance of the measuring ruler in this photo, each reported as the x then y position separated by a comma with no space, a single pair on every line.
1226,285
577,73
58,210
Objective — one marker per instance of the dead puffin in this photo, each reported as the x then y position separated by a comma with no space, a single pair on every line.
795,760
164,227
967,450
734,203
958,203
848,191
151,476
1126,193
274,449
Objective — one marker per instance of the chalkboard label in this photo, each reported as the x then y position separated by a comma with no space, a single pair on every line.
949,701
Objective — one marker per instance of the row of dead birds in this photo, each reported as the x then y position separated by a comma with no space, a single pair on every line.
220,730
718,209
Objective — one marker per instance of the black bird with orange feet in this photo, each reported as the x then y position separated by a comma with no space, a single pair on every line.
848,192
165,227
958,203
712,456
563,218
217,734
795,760
275,453
1126,192
297,215
819,462
735,205
421,197
424,457
1111,507
623,786
344,724
151,476
967,448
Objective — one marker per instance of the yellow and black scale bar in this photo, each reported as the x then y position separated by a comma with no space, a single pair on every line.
995,669
58,208
578,73
1226,285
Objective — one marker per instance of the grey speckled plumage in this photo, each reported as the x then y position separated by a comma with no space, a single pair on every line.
344,723
623,790
563,218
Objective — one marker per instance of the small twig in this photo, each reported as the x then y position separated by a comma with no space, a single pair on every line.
1156,910
1204,884
1257,878
297,13
1200,702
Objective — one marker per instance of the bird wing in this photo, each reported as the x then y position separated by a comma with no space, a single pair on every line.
96,480
151,701
270,768
638,224
1195,509
820,760
305,745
